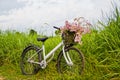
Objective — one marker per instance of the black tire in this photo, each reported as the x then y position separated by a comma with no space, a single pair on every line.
78,62
28,68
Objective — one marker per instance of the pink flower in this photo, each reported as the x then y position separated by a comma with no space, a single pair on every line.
79,26
67,24
86,30
78,37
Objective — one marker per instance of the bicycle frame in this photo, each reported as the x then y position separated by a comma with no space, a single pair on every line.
66,56
51,52
44,62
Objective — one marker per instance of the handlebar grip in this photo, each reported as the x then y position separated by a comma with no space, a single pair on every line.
56,27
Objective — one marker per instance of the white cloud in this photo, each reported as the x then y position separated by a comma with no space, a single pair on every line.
53,12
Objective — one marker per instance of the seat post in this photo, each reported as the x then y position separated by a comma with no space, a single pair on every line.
42,43
43,47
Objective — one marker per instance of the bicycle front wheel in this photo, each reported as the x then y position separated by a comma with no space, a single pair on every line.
77,59
30,55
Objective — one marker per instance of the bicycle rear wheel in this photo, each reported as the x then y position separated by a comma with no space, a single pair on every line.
30,53
77,59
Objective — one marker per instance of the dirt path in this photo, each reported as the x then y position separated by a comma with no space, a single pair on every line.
1,78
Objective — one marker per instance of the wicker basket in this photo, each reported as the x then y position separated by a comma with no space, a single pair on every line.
68,38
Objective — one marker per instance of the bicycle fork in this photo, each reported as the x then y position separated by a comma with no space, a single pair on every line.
67,57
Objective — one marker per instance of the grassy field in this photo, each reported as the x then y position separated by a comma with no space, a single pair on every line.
101,49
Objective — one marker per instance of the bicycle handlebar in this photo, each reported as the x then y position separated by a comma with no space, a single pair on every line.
56,27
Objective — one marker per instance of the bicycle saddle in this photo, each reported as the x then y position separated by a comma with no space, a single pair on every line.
42,39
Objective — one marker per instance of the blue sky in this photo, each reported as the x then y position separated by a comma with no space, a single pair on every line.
40,15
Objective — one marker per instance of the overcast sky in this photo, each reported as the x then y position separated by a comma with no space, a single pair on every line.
22,15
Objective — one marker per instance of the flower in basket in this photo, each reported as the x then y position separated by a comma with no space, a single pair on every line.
79,26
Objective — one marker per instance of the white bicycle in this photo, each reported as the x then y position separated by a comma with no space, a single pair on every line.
34,58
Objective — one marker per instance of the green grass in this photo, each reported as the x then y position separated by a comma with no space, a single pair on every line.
100,48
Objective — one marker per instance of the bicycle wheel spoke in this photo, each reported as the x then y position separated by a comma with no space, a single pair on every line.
29,56
77,59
